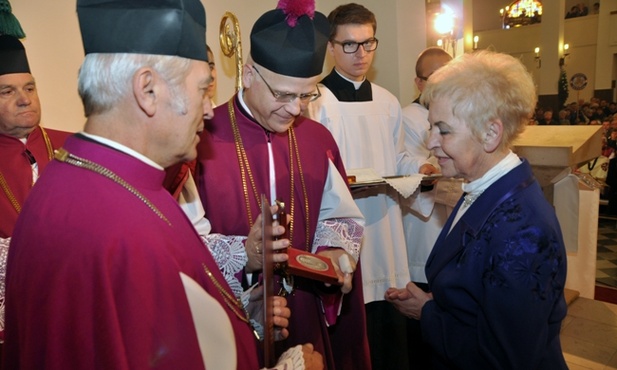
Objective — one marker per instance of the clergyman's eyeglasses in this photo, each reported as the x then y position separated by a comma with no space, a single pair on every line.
285,97
350,47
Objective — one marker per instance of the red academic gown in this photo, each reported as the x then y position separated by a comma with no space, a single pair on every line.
93,276
17,170
345,344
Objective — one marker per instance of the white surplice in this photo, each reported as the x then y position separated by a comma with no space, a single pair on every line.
370,135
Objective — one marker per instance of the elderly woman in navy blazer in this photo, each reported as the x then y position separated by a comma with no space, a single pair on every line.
497,271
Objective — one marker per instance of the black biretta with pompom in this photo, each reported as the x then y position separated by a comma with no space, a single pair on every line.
291,39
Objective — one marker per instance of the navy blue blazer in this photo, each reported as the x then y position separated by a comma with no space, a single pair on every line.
497,280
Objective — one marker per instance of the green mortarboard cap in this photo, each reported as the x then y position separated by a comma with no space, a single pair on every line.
9,25
160,27
12,56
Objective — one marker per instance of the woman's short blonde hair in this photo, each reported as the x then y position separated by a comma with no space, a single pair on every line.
485,86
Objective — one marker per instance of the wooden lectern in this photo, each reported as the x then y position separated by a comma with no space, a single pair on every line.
554,152
552,149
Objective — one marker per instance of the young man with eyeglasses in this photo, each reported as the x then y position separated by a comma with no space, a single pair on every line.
25,146
366,122
260,143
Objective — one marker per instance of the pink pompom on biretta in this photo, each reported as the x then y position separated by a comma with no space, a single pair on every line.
294,9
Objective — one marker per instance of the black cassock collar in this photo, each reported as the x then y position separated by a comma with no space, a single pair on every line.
345,90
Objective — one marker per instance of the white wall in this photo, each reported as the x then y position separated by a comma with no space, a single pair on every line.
54,49
55,52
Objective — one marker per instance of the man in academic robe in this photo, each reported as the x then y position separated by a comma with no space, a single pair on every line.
366,122
259,143
105,270
25,146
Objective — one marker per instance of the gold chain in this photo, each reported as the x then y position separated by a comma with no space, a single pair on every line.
64,156
292,139
9,193
245,171
5,185
50,149
243,161
234,304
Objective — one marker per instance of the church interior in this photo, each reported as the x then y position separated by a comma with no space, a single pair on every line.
568,46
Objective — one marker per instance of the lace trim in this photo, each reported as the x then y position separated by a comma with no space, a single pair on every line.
293,358
4,252
230,256
339,232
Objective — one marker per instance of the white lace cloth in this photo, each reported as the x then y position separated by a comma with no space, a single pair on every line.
230,256
339,232
405,185
291,359
4,252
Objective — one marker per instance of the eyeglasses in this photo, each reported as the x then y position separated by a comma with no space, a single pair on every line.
284,97
350,47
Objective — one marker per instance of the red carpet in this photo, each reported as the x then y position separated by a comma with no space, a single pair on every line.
606,294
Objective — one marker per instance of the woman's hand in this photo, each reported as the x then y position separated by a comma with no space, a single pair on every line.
409,301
